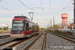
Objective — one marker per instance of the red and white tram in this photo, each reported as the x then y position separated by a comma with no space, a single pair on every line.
22,27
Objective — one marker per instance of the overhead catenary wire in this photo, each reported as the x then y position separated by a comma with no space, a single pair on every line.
49,4
25,5
28,7
63,8
41,6
5,8
20,5
10,3
49,12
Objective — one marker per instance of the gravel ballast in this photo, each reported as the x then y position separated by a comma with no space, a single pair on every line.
6,40
57,43
38,44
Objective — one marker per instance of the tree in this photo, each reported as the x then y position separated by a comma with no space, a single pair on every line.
56,27
0,28
5,28
42,29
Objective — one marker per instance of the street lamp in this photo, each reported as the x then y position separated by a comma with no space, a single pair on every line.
31,15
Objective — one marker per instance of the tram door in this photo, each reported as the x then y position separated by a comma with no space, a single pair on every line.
27,28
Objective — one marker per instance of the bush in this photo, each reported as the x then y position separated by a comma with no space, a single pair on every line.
1,31
0,28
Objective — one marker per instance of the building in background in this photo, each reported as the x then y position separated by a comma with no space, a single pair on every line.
72,26
64,17
4,26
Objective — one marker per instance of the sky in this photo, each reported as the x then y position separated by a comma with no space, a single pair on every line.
44,11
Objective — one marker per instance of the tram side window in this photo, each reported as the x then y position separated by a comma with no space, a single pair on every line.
27,26
30,26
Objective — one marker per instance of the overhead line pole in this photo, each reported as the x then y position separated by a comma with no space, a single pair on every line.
74,14
51,23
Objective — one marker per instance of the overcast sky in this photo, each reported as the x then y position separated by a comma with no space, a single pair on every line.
44,10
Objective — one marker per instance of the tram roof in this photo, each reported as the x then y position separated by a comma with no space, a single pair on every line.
21,17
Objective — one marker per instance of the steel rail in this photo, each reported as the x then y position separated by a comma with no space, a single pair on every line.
44,42
5,36
10,47
27,48
69,38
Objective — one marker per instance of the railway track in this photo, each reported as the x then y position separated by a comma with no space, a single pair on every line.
44,42
67,37
19,44
5,36
39,43
2,36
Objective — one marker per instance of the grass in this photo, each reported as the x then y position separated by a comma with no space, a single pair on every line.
4,31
